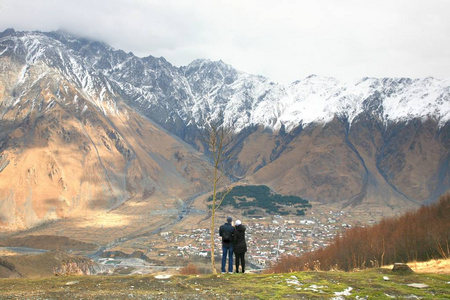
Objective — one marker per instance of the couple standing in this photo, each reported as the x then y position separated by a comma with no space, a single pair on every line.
233,240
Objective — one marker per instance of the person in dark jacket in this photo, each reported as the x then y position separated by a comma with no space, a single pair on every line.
226,231
240,246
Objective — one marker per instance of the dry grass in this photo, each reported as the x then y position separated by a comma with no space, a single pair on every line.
436,266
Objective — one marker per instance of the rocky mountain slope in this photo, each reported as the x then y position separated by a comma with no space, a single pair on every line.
71,147
85,126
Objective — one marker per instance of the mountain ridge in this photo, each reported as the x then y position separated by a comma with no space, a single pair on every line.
245,99
130,129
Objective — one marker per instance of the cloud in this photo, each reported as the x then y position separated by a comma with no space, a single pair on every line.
284,39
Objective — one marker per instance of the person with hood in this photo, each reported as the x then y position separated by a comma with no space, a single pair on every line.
226,231
240,246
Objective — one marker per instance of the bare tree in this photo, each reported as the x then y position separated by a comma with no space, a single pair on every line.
217,137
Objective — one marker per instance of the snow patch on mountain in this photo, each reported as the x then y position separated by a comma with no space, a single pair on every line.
253,100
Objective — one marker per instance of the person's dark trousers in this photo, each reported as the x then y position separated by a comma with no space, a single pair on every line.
227,251
240,258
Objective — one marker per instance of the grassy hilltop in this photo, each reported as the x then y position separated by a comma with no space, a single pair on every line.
368,284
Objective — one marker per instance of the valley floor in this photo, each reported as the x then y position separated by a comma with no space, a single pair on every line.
368,284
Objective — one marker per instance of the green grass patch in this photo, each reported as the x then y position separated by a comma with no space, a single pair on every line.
307,285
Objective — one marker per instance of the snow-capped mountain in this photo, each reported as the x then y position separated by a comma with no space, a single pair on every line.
383,142
254,100
204,88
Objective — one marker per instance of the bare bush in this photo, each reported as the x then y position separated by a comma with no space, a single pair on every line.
190,269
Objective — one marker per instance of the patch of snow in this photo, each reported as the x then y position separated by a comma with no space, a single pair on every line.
346,292
412,297
50,105
315,288
22,75
6,49
17,101
418,285
163,276
293,280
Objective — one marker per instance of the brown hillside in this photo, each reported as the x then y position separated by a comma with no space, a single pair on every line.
41,265
61,157
48,242
391,170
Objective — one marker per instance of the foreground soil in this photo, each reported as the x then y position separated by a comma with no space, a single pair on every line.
369,284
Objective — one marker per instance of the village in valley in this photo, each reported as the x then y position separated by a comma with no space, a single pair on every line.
268,238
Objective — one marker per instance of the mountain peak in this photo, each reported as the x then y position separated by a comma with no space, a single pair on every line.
8,31
207,64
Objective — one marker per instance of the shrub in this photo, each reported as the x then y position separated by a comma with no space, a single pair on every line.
190,269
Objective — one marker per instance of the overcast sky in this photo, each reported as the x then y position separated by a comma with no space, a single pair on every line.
280,39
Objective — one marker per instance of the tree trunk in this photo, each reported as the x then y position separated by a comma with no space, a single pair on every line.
213,218
213,257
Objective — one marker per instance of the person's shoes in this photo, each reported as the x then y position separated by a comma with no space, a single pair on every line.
224,272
